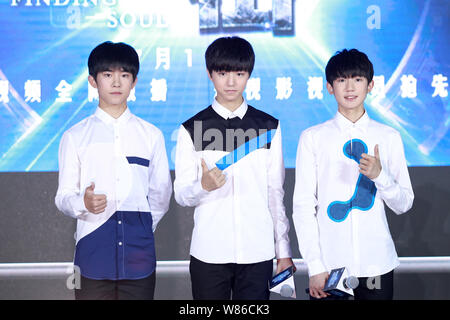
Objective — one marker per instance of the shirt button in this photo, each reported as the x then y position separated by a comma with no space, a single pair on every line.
119,222
120,243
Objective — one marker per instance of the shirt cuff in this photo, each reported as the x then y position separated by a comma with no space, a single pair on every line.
198,190
383,180
284,251
316,267
78,206
156,218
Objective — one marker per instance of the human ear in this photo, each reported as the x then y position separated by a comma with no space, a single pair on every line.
330,88
370,86
92,81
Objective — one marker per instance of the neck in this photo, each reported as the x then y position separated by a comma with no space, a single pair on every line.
353,115
232,105
114,111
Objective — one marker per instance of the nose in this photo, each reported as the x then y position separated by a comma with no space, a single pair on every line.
349,85
116,80
230,79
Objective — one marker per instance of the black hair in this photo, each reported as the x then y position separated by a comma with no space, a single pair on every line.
110,55
230,54
348,64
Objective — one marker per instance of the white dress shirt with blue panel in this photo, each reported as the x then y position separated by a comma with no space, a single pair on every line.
126,159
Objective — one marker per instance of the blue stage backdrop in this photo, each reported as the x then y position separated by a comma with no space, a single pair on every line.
44,46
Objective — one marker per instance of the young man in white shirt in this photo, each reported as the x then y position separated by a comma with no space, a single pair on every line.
347,168
114,179
229,165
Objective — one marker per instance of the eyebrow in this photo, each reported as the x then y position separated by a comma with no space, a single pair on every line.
115,69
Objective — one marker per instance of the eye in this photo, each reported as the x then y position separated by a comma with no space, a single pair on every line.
107,74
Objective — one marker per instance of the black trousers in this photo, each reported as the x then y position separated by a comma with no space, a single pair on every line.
372,288
227,281
140,289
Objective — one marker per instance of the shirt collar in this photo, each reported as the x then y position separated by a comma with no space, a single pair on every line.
106,118
227,114
343,123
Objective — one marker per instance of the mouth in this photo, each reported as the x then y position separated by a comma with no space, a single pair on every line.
350,98
116,93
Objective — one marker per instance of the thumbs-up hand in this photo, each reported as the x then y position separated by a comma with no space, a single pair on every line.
95,203
212,179
370,166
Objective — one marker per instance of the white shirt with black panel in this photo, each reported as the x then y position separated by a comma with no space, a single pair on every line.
244,221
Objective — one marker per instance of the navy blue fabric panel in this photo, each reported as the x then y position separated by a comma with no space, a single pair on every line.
96,253
208,121
139,161
121,248
365,191
140,258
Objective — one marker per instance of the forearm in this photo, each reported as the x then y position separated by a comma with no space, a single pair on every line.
71,204
307,231
280,223
393,183
160,182
397,197
276,174
69,197
188,193
305,205
187,185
